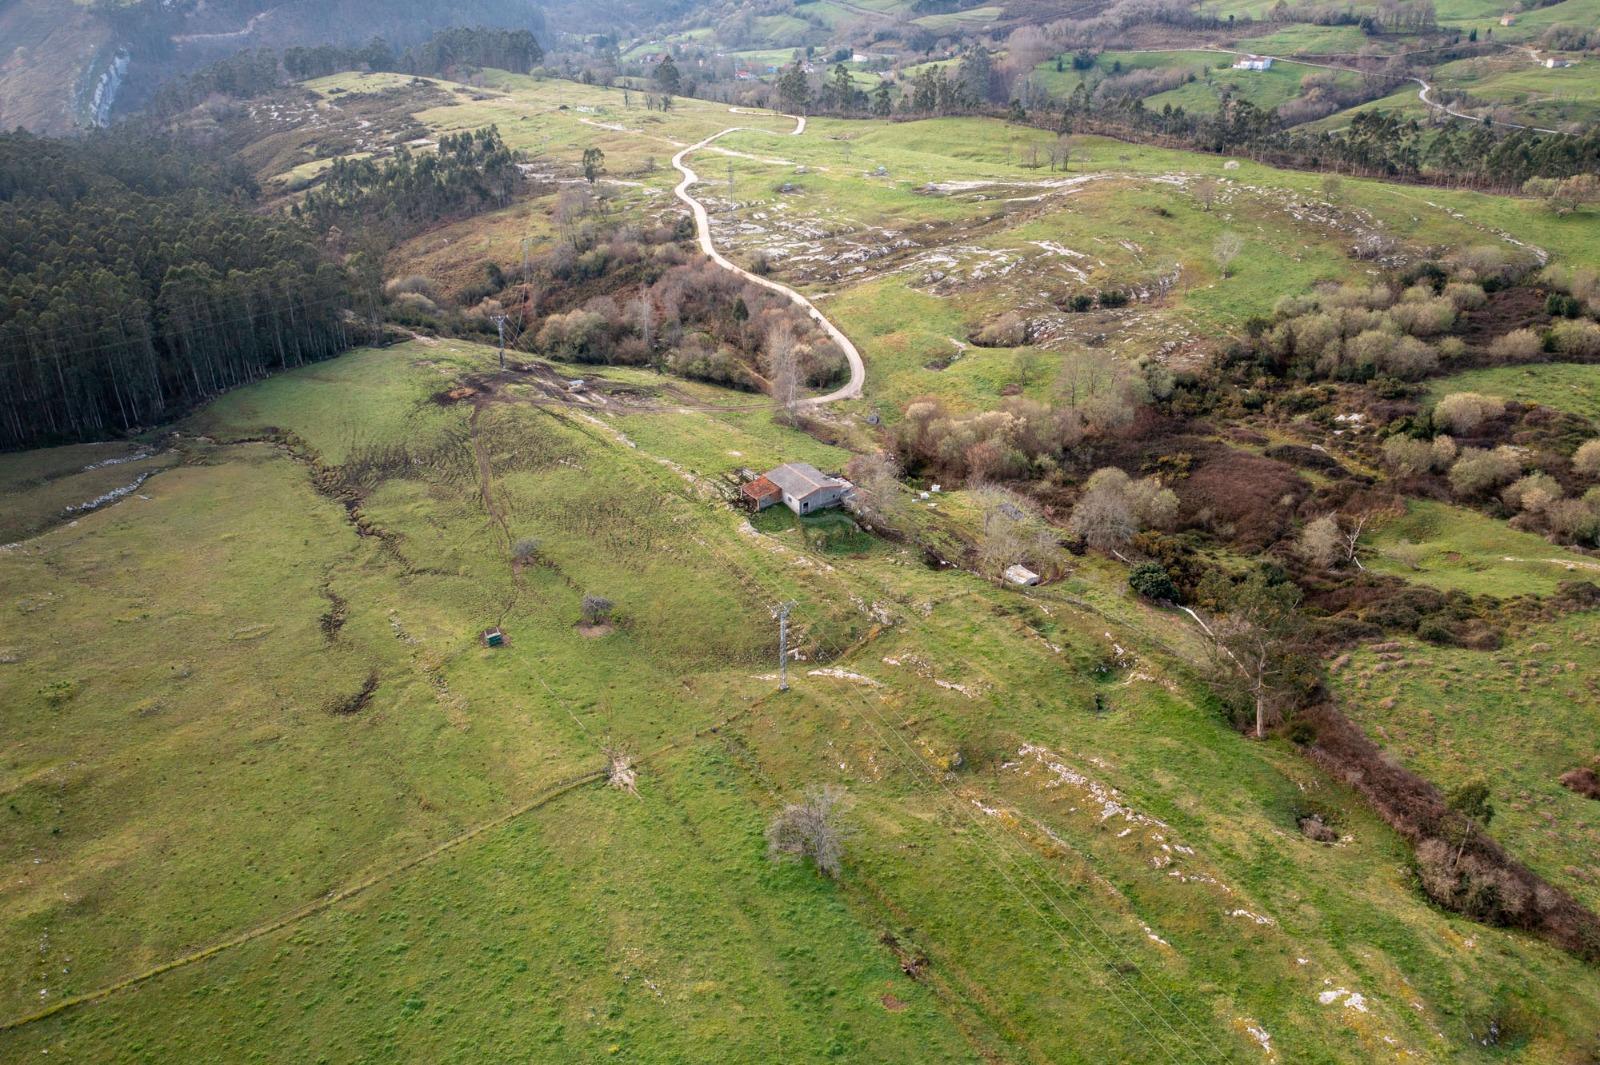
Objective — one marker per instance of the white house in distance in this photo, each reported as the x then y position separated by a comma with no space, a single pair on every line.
800,486
1253,62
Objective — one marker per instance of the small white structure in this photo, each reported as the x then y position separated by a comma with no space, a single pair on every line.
1254,62
1508,19
1017,573
1556,63
806,489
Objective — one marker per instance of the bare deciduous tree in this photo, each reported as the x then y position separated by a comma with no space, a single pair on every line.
1104,520
1256,643
1114,507
1027,363
811,829
878,498
1227,248
1205,192
783,369
1062,153
1012,532
573,203
1321,542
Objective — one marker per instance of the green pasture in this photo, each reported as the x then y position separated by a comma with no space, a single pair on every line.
189,757
1526,713
1455,549
1571,387
1308,39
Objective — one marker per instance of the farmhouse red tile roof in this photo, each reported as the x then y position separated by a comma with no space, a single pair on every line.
760,488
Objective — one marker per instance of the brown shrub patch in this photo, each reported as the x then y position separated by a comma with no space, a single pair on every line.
1243,497
1583,780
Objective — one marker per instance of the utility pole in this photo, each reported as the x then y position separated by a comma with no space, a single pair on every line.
500,326
781,612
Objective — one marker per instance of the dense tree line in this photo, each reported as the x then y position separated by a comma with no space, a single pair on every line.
135,282
256,72
470,171
1376,143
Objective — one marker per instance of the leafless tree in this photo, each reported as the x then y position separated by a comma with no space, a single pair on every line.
811,829
1013,532
783,370
1254,646
1321,542
878,498
1061,153
1114,507
573,203
1226,250
1099,386
1027,363
644,318
1205,192
1104,519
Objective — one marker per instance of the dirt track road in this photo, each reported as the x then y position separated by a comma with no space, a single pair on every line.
702,223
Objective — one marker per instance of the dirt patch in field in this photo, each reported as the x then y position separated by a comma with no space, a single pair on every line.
539,382
358,700
1518,307
1584,780
892,1003
332,619
594,632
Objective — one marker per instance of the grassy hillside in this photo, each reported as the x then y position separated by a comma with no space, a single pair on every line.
190,768
268,794
1535,696
1455,549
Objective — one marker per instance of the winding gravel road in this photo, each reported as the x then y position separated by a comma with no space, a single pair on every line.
702,223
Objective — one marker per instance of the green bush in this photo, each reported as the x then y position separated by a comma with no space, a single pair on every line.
1557,305
1151,581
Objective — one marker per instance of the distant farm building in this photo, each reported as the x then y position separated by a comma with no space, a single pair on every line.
803,488
1555,63
1254,62
1508,20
